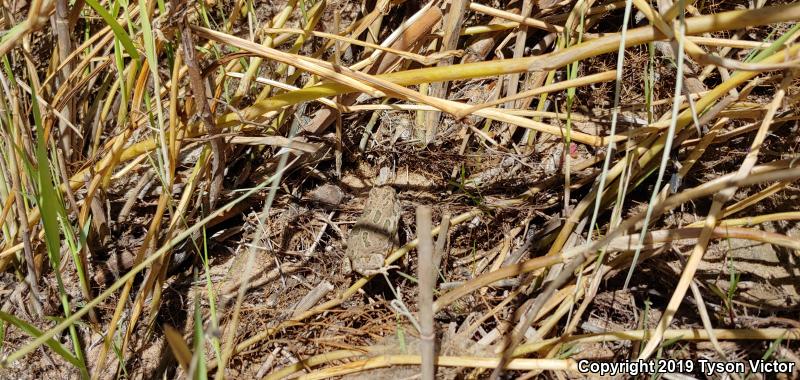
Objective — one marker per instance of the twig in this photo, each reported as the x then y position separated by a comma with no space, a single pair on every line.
426,273
312,297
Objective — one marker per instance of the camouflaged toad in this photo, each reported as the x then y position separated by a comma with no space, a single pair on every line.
375,232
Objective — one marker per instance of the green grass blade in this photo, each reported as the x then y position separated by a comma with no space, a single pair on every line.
34,332
665,153
119,32
49,204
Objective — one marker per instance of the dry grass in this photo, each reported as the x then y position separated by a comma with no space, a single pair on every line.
179,181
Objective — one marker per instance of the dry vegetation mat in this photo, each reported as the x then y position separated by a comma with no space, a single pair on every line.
398,189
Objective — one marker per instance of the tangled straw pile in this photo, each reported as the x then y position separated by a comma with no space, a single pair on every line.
161,215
